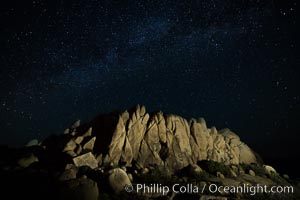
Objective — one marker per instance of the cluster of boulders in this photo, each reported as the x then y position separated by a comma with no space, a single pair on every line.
151,140
121,149
165,140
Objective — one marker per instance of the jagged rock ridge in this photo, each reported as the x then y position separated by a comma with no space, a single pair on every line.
98,159
157,140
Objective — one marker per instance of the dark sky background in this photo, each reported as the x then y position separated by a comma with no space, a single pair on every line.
236,63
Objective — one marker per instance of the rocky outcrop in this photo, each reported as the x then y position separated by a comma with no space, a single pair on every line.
162,139
100,159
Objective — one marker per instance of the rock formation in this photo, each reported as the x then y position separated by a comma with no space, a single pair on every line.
166,140
98,159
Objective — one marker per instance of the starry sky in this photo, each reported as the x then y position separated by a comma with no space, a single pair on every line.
235,63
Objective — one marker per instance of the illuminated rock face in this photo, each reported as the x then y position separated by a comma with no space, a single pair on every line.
168,140
87,159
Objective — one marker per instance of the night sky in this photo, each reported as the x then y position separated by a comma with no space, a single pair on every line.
236,63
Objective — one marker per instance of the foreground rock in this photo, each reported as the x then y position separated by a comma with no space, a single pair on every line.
79,189
28,160
118,179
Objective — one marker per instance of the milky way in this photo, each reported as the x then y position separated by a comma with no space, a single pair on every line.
233,63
